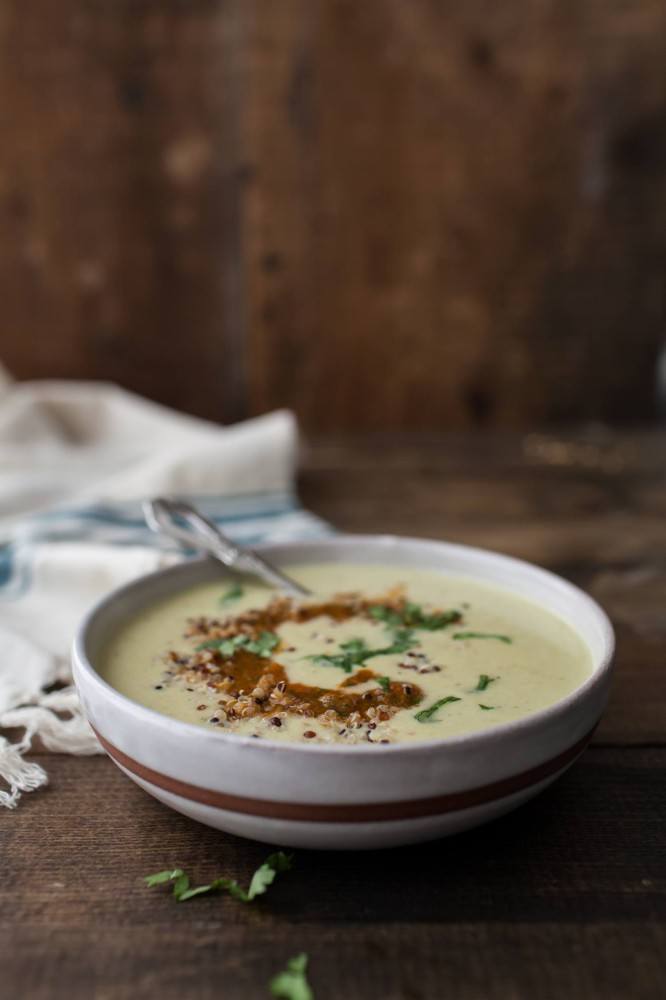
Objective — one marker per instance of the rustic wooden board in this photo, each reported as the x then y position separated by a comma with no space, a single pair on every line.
567,895
403,214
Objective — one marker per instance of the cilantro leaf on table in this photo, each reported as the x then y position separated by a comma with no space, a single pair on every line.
426,714
265,874
159,878
292,984
262,878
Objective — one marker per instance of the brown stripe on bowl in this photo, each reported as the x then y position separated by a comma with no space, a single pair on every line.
371,812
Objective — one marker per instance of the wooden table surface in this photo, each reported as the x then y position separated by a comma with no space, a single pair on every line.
563,898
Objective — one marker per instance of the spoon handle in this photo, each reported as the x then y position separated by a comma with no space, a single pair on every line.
197,532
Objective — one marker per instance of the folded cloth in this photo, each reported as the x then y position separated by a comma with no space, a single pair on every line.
75,461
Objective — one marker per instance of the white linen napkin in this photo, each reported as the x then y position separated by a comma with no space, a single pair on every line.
75,461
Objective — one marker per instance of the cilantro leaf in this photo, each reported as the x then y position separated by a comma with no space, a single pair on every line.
265,874
385,683
385,614
160,877
263,645
226,646
426,714
262,878
413,616
198,890
484,681
291,984
417,618
402,640
355,647
181,885
356,651
233,593
487,708
482,635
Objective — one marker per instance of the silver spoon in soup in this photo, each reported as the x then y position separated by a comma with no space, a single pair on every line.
186,524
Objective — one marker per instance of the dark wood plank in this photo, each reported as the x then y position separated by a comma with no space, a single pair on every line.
209,959
387,215
567,895
122,176
463,212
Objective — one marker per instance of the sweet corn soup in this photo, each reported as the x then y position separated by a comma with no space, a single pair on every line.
376,655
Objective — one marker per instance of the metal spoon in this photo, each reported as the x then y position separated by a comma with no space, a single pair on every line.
162,516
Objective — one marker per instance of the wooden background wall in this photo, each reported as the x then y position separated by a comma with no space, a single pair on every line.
387,214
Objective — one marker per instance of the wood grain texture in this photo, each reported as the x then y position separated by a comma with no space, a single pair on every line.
466,214
391,214
567,895
119,197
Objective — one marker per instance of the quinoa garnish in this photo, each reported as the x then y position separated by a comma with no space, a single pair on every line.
234,659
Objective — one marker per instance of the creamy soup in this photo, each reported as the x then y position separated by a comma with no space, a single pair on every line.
376,655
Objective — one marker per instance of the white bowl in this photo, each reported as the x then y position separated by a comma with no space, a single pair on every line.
347,796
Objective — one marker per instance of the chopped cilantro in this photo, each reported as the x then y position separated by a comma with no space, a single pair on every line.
385,683
265,874
426,714
385,614
484,681
262,878
227,646
232,594
413,616
354,647
402,640
356,651
160,877
262,646
291,984
487,708
482,635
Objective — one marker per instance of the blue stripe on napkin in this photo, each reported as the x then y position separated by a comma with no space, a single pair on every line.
249,519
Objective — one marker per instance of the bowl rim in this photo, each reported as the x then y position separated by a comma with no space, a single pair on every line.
600,672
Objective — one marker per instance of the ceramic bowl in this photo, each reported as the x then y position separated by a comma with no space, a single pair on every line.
339,796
